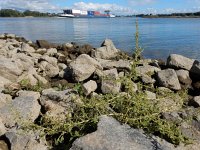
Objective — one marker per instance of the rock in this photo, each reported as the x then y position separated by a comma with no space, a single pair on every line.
24,142
9,35
2,36
147,69
4,99
180,62
51,52
4,81
110,83
3,145
111,135
48,65
41,51
150,95
196,68
109,64
59,104
23,108
147,79
9,69
44,44
2,128
83,67
169,79
85,49
23,61
195,101
172,116
68,45
184,77
27,48
107,51
89,87
32,78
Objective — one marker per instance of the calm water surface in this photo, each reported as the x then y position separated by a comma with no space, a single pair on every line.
158,37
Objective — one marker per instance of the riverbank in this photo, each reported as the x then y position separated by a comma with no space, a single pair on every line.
69,96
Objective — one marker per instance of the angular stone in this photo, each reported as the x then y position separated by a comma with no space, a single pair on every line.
9,69
110,64
180,62
58,104
27,48
147,69
83,67
168,79
2,128
107,50
111,135
24,142
4,81
150,95
184,77
89,87
195,101
25,107
51,52
110,83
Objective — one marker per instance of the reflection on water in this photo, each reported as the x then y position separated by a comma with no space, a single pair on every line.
159,37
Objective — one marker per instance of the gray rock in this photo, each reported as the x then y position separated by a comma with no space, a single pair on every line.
107,50
110,82
58,104
110,64
168,79
4,81
4,99
184,77
2,128
48,66
196,67
147,69
32,78
23,108
68,45
111,135
51,52
27,48
89,87
24,142
83,67
150,95
195,101
147,79
180,62
9,69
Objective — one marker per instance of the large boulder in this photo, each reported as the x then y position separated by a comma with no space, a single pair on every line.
196,68
83,67
107,51
27,48
147,69
111,135
168,78
44,44
9,69
21,141
180,62
110,82
23,108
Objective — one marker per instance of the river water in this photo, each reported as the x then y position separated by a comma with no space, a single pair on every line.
158,37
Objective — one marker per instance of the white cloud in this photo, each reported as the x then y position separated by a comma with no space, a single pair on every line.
141,2
101,7
39,5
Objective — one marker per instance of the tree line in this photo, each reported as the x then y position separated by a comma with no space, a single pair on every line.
195,14
15,13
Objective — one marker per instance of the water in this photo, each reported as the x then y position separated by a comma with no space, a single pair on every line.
158,37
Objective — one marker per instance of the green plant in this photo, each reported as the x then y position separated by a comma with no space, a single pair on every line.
138,50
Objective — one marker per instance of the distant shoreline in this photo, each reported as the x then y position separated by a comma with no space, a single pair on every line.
169,16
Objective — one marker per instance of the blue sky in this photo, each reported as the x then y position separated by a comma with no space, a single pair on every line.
117,6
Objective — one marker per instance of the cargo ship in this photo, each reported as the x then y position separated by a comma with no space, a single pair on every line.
74,13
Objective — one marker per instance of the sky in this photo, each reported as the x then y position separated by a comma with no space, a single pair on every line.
116,6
